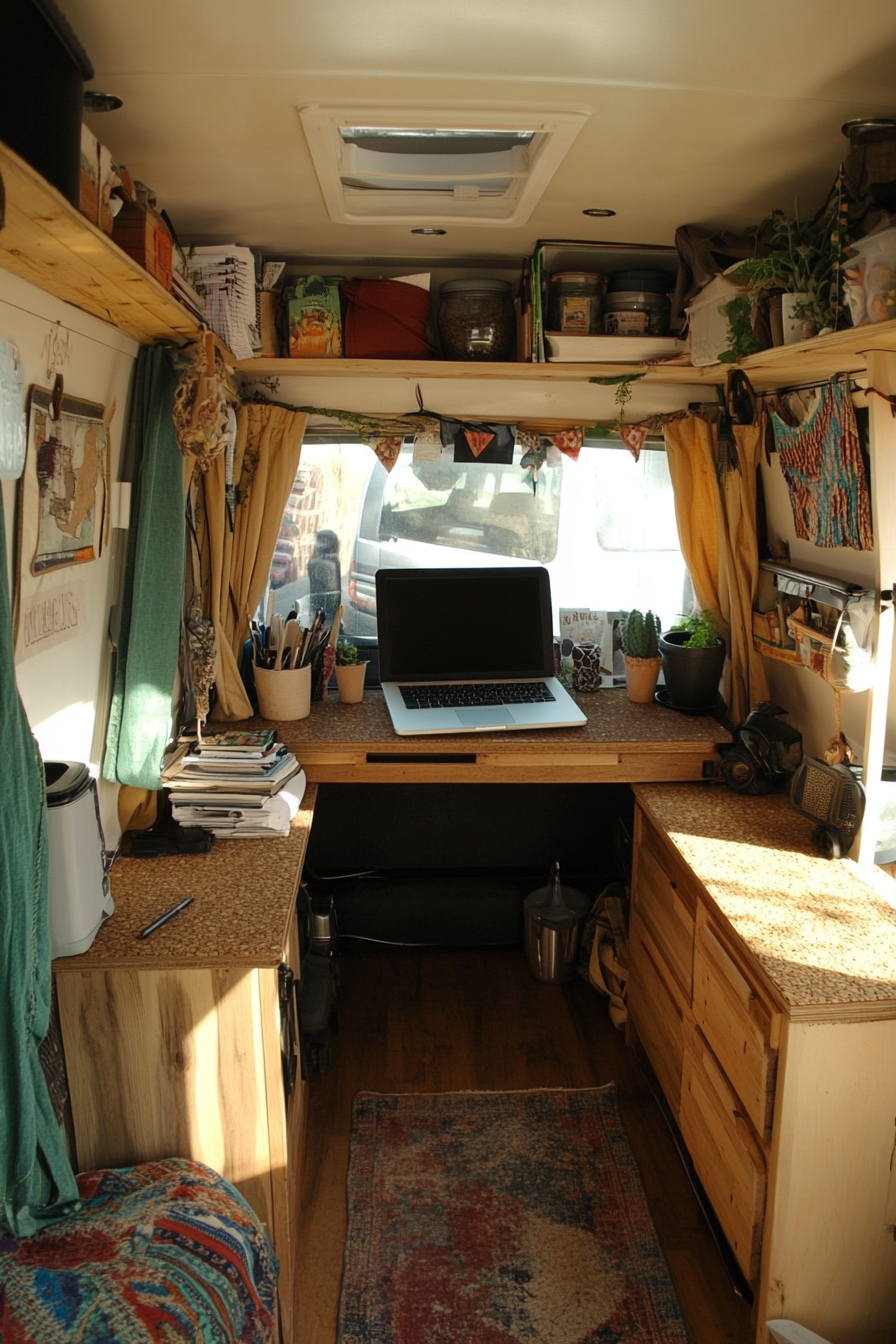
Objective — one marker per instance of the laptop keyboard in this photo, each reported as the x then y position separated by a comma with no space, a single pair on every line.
462,697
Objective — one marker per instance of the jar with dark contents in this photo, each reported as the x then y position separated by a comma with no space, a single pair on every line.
476,319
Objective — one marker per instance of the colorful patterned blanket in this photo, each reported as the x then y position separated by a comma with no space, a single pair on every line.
164,1251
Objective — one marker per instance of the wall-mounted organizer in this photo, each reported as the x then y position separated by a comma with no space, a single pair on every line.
818,622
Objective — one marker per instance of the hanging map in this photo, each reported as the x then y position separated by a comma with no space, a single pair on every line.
68,457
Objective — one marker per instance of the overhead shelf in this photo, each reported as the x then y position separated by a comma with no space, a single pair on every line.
805,362
46,241
483,370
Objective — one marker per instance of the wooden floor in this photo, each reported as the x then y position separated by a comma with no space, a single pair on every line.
445,1021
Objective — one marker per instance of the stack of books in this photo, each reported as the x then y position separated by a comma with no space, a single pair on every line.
235,784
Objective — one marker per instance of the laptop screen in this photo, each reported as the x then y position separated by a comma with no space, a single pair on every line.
464,624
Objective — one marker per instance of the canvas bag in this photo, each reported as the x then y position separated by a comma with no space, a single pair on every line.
603,950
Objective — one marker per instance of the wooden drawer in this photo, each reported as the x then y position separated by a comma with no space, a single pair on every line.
664,899
654,1012
741,1027
727,1158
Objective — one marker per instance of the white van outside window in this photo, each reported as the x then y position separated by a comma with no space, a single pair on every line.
603,526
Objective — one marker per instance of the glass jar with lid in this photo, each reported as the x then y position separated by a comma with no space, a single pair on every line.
476,319
574,303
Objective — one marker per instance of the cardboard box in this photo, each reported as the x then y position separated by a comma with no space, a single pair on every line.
141,233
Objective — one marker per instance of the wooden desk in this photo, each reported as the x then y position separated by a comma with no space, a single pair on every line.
173,1042
621,743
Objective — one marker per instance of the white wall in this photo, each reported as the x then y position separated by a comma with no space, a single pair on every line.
62,687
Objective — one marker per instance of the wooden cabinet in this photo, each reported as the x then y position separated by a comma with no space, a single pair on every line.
763,990
185,1043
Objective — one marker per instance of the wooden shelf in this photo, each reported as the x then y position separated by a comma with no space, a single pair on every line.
481,370
810,361
46,241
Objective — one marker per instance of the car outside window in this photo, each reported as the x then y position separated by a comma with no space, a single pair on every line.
604,527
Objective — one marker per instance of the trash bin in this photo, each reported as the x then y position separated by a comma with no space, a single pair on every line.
554,916
79,897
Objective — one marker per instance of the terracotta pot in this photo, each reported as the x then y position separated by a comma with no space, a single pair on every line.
640,678
350,681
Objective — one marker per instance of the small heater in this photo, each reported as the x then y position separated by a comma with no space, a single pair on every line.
832,797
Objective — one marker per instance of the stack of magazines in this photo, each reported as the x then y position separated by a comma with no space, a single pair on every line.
235,784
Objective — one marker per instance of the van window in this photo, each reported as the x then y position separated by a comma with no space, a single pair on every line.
603,526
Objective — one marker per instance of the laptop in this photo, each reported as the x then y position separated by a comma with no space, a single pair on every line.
469,651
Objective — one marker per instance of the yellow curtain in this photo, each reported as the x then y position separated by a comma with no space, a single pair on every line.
235,563
717,531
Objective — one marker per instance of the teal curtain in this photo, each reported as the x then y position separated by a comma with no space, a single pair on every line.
149,630
36,1180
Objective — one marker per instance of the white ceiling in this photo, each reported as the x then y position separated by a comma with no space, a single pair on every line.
702,111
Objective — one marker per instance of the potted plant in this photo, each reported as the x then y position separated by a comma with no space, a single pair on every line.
693,658
794,259
351,670
640,645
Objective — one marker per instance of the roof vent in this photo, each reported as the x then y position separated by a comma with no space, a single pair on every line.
417,165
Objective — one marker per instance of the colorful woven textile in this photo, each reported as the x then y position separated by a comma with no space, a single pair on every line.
500,1217
822,463
164,1251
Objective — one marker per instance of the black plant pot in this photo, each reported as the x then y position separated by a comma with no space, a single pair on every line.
692,676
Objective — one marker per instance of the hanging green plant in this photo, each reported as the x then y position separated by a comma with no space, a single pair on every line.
741,340
623,385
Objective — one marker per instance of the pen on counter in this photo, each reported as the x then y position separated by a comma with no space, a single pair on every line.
163,919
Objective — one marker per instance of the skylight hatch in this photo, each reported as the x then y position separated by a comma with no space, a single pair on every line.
425,165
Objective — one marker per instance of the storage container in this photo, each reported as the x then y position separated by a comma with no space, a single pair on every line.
707,324
636,313
646,281
574,303
869,278
476,319
42,73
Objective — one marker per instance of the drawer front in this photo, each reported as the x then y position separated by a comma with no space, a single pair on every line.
667,909
741,1028
654,1012
728,1160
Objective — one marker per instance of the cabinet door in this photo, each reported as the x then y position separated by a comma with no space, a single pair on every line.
664,898
727,1158
655,1012
739,1023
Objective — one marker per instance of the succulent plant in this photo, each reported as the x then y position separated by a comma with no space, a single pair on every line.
640,635
347,654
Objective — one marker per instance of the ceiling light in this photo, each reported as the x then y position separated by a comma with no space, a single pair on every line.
94,101
476,166
597,213
430,233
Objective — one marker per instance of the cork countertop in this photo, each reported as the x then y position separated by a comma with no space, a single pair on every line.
243,893
823,934
611,718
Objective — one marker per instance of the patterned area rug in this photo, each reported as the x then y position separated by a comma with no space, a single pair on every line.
491,1217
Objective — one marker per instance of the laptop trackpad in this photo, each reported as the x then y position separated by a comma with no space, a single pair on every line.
488,715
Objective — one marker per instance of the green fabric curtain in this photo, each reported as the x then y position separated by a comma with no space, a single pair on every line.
36,1180
149,636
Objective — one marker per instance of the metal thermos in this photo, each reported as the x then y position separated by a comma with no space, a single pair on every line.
554,919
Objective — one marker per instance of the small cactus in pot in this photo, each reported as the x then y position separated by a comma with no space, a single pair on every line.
351,670
640,645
